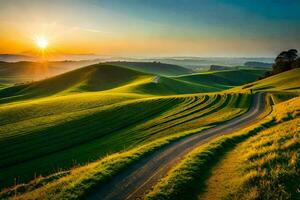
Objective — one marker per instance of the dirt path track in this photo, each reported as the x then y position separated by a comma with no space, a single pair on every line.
135,181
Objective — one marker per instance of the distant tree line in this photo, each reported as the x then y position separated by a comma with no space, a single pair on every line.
258,64
285,61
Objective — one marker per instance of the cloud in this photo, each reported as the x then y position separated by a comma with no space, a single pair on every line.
92,30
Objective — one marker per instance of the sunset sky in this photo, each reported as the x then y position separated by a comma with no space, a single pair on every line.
151,27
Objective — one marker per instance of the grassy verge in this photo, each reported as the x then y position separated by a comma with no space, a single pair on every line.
267,166
76,183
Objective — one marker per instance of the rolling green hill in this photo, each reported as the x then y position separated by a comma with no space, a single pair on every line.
166,86
158,68
91,78
198,83
280,87
116,79
288,81
223,79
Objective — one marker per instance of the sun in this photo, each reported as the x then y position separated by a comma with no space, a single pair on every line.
42,42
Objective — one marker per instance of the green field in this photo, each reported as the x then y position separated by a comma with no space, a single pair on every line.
60,127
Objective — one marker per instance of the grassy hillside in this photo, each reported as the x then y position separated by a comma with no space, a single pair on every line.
288,81
92,78
280,87
266,167
166,86
158,68
223,79
43,136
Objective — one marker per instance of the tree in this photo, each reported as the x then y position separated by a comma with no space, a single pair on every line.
287,56
296,63
292,55
284,61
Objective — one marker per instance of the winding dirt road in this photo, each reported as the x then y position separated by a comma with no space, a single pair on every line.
136,180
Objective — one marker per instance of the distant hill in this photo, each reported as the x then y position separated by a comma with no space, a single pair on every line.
56,57
16,57
23,71
258,64
219,67
201,63
155,68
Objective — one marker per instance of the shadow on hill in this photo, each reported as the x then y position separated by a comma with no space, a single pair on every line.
159,68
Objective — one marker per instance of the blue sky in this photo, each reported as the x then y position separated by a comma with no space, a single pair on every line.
259,17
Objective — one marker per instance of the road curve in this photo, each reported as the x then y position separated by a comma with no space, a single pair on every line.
136,180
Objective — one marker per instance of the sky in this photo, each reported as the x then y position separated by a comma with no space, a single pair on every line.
145,28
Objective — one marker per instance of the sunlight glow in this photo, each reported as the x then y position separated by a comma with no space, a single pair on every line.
42,42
